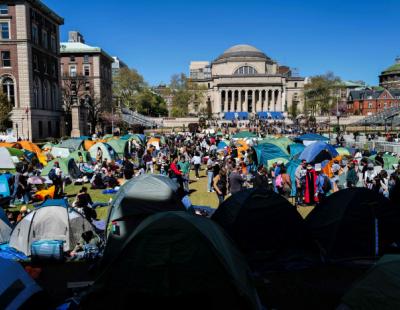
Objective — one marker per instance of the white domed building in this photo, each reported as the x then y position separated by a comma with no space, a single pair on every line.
244,82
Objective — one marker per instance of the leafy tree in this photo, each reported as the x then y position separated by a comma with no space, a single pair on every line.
126,86
5,112
320,92
149,103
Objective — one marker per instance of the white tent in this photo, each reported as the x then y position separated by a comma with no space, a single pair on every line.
5,227
60,152
49,223
6,160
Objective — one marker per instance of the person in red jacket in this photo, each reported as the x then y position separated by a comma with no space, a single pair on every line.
174,173
311,192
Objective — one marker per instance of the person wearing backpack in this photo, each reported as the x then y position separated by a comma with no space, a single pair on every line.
324,184
55,175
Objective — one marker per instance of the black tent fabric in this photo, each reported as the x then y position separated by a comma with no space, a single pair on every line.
175,260
73,169
267,229
355,223
378,289
135,201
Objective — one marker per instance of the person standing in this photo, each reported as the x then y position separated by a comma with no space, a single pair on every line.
311,193
184,167
148,161
127,168
286,184
210,174
324,185
351,177
220,185
236,180
300,175
175,173
196,161
261,179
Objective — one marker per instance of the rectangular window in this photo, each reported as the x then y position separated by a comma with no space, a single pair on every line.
86,59
72,58
35,62
35,34
49,128
53,70
87,86
3,9
86,70
4,30
72,71
45,39
40,129
5,59
53,44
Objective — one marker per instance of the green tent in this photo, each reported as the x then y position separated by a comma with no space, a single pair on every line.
67,166
16,152
109,136
244,135
77,155
281,143
379,288
108,151
175,260
389,161
119,146
343,151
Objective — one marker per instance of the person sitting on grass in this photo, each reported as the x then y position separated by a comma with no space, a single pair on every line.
89,242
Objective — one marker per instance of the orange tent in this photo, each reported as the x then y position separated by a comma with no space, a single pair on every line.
46,193
87,144
32,147
241,146
328,168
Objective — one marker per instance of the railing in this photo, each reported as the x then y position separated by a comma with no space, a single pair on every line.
133,118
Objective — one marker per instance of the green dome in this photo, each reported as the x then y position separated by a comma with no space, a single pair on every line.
393,68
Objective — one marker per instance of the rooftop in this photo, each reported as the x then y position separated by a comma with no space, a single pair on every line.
243,51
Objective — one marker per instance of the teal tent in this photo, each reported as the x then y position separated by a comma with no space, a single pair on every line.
388,161
71,144
107,150
81,154
121,147
244,135
296,148
291,170
67,166
268,153
175,260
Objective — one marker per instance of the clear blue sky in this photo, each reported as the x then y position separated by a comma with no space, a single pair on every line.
355,39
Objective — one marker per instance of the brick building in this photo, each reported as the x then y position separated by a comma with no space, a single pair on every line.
86,73
369,101
390,77
29,67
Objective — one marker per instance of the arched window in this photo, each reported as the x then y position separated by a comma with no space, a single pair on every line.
36,93
8,89
245,70
46,93
54,96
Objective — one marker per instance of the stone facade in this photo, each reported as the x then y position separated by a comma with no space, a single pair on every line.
86,74
390,77
244,79
31,79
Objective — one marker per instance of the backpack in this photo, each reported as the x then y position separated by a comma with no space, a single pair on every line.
278,181
52,174
327,186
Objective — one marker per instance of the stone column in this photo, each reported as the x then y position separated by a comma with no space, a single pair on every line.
279,101
259,102
239,100
273,108
233,101
226,102
266,99
246,101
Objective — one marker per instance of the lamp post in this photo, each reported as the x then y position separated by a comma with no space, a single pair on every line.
16,126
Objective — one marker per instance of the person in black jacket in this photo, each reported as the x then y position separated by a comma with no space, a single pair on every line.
261,179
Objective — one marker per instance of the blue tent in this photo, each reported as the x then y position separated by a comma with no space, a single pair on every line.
268,151
318,152
276,115
295,149
55,203
291,170
16,286
230,116
221,145
262,115
4,187
311,137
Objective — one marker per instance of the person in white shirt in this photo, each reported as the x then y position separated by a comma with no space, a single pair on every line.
196,161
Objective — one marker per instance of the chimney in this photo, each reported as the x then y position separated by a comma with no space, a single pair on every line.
75,36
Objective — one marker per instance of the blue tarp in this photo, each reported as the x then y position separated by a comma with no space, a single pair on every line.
311,137
268,151
9,253
273,115
315,152
4,187
221,145
291,167
229,116
295,149
16,283
55,203
236,115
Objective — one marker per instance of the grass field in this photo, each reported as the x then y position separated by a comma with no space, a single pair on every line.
198,195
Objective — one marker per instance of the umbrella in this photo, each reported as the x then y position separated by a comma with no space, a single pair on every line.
36,180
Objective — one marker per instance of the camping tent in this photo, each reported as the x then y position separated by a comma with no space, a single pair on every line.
6,160
17,288
31,147
268,153
121,147
108,152
5,227
388,160
175,260
318,152
355,222
60,152
296,148
67,166
71,144
244,135
311,137
343,151
379,288
87,144
78,154
54,220
265,226
4,185
137,199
